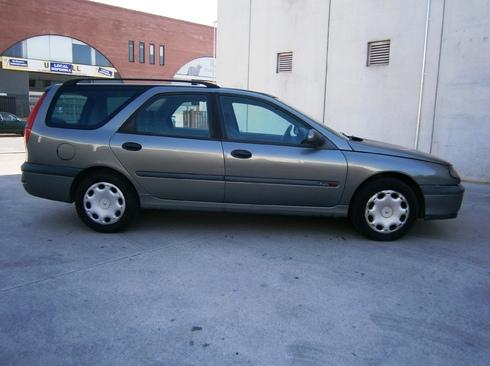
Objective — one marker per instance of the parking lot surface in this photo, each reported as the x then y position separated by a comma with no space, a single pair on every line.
186,288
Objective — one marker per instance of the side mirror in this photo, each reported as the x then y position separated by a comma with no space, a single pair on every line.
314,138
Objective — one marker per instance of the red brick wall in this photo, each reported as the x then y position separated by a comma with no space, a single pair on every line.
108,29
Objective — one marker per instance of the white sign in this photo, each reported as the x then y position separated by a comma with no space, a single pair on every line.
53,67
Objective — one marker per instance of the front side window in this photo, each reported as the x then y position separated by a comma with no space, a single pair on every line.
7,116
142,53
172,115
249,120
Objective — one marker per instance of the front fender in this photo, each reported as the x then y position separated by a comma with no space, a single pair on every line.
363,166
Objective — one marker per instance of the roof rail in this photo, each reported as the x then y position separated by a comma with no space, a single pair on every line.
208,84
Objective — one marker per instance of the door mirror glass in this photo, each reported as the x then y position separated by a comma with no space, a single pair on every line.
314,138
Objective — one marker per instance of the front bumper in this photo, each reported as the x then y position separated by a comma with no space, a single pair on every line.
442,201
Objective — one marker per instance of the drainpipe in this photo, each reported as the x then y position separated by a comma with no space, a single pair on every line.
422,76
326,63
215,25
249,35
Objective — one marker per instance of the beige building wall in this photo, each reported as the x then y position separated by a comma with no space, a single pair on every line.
432,96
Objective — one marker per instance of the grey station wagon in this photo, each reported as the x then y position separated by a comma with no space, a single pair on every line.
113,147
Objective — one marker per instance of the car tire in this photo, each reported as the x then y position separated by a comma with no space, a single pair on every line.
106,202
384,209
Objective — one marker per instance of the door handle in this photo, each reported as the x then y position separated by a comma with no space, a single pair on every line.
241,154
131,146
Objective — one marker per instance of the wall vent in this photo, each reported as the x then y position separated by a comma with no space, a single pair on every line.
378,53
284,62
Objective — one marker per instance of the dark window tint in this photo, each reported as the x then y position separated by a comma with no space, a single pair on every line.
82,54
161,55
152,53
131,51
89,107
172,115
142,53
251,120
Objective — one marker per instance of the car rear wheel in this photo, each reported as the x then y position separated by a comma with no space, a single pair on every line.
106,202
384,209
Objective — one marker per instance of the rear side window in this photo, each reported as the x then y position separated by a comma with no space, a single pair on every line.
89,107
172,115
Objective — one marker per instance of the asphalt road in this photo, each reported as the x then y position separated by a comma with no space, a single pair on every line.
183,288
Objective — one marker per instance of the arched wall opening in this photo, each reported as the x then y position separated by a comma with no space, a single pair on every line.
31,65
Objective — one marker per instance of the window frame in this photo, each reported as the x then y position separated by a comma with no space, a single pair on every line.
141,52
131,51
213,123
328,145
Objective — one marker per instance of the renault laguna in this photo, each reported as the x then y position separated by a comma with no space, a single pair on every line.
114,147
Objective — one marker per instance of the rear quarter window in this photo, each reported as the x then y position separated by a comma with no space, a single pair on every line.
89,107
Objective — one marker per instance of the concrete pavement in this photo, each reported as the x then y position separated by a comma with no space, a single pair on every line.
183,288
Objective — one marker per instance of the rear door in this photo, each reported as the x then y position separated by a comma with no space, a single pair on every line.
268,163
169,146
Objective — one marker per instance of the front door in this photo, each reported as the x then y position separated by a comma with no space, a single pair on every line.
167,146
267,162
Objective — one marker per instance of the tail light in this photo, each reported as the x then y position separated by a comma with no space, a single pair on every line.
32,118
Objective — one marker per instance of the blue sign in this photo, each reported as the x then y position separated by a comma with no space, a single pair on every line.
105,72
61,67
15,62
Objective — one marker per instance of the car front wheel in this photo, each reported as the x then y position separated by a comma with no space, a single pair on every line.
105,203
384,209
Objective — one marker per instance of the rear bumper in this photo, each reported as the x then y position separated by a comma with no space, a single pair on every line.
442,201
48,181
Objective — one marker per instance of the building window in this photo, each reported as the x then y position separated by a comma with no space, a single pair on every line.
284,62
378,53
142,53
131,51
152,53
81,54
162,55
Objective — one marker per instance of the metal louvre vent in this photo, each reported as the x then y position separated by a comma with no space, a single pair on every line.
284,62
378,53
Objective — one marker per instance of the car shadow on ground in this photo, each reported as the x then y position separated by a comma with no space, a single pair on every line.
202,220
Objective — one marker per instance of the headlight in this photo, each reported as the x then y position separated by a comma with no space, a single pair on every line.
453,173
